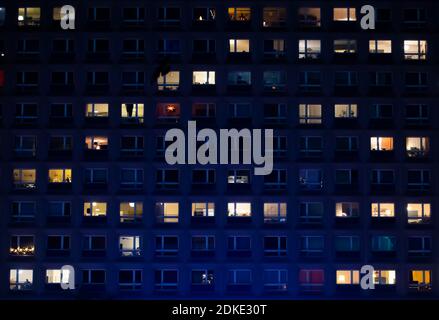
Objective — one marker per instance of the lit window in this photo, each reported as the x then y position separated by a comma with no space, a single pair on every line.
418,213
345,111
169,82
239,45
95,209
311,280
239,14
310,113
203,209
347,210
96,143
129,246
417,147
166,212
56,276
21,279
96,110
309,49
238,177
420,280
309,17
274,17
24,178
345,14
204,14
384,277
132,112
275,212
22,246
56,14
345,46
203,77
130,211
380,46
381,143
29,17
348,277
168,110
60,175
239,209
415,49
383,210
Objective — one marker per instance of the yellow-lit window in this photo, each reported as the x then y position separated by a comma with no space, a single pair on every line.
380,46
56,276
130,211
345,14
95,209
347,277
96,143
24,178
346,210
239,14
275,212
29,16
343,46
417,146
274,17
381,143
309,17
239,45
21,279
170,81
420,279
60,175
309,49
203,209
415,49
345,111
310,113
239,209
203,77
384,277
96,110
56,15
167,212
383,210
132,110
418,213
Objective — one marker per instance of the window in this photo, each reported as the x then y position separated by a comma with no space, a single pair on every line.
95,209
418,213
58,244
239,45
24,178
27,80
420,280
28,47
203,177
380,46
2,16
131,146
132,112
310,179
57,276
130,212
25,146
311,147
239,277
346,111
239,78
345,14
96,110
347,277
415,49
96,177
203,209
166,246
239,209
346,144
310,114
381,143
274,48
169,16
133,80
29,17
167,179
274,80
309,49
166,212
275,212
130,279
275,246
204,14
99,14
166,279
238,177
310,80
419,246
382,111
97,80
383,210
130,246
60,175
240,110
93,277
311,212
416,114
204,47
415,17
131,178
169,82
169,48
203,78
203,243
418,180
239,244
344,46
274,17
203,278
61,209
383,177
312,245
21,279
96,143
347,210
204,110
347,178
275,279
383,243
94,243
309,17
22,246
311,280
275,112
345,79
61,112
417,147
239,14
23,211
347,244
384,277
133,16
133,48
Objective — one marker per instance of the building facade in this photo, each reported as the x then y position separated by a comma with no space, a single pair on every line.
84,181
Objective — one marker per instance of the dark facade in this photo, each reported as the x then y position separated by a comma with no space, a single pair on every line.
85,183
